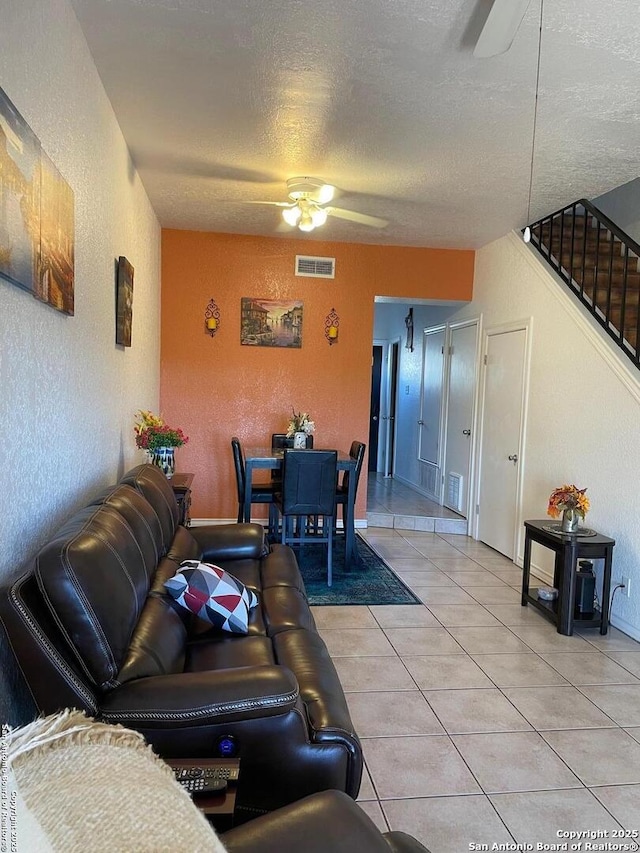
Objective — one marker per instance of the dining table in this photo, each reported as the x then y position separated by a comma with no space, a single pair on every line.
271,458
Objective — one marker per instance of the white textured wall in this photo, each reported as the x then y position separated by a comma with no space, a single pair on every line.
68,393
622,205
584,406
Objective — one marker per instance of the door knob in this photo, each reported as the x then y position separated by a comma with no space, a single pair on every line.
466,432
513,458
421,423
375,418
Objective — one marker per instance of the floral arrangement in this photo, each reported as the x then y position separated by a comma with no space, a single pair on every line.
152,432
300,422
568,497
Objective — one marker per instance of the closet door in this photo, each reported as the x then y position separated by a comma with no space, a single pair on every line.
431,401
462,369
502,439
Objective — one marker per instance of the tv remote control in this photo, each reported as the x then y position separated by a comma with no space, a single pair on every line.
205,780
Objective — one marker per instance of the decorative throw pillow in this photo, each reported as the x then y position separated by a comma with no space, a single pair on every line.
213,595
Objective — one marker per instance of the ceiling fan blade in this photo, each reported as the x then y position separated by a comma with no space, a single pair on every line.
361,218
500,28
274,203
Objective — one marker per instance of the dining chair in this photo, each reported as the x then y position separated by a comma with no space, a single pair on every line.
308,489
342,492
261,493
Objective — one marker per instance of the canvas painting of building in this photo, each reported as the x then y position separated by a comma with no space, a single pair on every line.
37,228
54,283
271,322
19,198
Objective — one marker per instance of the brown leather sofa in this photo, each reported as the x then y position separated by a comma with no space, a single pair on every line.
92,628
328,822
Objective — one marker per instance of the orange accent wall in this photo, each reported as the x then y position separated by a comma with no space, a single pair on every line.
215,388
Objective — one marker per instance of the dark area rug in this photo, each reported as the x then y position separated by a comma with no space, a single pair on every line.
369,581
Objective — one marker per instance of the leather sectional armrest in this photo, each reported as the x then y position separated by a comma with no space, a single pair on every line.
202,698
230,541
326,821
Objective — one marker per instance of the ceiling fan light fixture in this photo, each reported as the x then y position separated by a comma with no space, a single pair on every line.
318,216
291,215
306,221
325,194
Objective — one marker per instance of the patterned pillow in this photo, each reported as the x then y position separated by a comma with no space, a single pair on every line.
213,595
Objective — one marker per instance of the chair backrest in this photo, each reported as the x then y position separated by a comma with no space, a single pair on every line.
239,466
280,440
357,453
309,482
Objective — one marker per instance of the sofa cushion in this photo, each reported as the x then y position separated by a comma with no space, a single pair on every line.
212,594
141,518
154,486
229,652
93,576
158,642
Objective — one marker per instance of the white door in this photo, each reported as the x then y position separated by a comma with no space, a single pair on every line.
501,444
463,342
431,403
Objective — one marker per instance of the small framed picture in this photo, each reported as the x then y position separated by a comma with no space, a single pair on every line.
124,310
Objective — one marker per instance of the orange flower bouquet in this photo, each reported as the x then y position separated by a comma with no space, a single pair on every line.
570,502
568,497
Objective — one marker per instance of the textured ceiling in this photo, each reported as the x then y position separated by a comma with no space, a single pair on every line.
221,101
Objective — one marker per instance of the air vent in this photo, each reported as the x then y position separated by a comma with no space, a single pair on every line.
315,267
454,491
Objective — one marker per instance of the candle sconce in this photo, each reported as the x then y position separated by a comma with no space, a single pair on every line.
331,326
212,318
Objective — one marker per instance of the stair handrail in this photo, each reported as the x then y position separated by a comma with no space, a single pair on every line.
602,217
626,336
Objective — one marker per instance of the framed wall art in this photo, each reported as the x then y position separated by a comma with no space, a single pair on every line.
19,198
124,302
37,230
271,322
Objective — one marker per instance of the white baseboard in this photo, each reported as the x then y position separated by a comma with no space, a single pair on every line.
625,627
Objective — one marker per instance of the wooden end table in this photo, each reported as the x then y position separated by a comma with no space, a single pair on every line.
568,548
181,485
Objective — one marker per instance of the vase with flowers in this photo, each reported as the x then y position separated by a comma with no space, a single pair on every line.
300,426
571,503
159,440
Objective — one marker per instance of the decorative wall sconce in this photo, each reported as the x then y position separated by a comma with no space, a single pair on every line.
331,324
212,318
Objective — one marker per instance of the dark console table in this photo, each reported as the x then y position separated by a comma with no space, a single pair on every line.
568,548
181,485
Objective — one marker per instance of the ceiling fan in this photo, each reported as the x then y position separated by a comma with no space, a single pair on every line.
309,207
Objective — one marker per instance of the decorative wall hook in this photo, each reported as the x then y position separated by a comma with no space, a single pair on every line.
212,318
331,324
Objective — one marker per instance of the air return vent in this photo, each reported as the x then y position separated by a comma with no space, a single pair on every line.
454,491
315,267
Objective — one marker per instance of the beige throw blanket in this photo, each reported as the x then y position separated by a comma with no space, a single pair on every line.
73,785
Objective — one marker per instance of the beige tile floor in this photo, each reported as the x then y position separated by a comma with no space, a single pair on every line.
480,723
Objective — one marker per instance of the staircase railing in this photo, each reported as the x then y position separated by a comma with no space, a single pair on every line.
599,263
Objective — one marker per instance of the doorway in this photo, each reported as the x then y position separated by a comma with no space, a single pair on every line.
504,394
374,409
382,414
